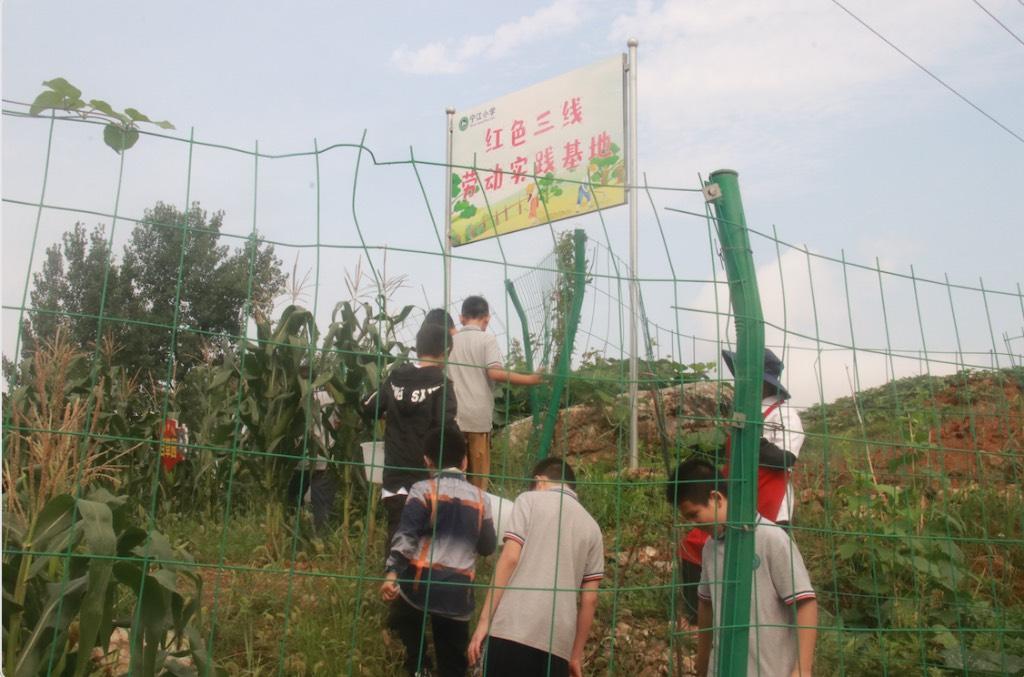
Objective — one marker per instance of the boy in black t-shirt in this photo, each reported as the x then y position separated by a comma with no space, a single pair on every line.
414,399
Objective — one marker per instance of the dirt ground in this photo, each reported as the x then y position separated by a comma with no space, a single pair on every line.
970,432
985,435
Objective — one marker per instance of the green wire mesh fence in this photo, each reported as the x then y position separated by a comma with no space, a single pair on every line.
176,379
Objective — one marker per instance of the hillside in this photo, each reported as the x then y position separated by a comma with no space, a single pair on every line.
966,426
909,516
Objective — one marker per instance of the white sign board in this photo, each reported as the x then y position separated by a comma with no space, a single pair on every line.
548,152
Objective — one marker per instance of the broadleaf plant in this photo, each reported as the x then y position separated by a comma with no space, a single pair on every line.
121,131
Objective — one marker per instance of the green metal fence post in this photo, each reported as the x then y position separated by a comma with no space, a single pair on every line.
746,432
561,374
527,347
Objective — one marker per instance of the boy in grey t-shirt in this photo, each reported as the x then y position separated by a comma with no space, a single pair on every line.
783,609
531,622
474,366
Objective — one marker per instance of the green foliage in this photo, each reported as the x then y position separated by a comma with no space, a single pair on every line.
120,138
62,388
80,278
121,130
906,423
913,396
178,256
47,593
69,290
565,289
907,546
599,382
263,392
360,344
202,400
608,170
270,383
917,560
899,570
599,379
271,405
463,209
456,185
548,187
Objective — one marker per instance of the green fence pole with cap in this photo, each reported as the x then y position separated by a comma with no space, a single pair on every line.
734,629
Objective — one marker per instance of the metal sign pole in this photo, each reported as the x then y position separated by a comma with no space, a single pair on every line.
448,210
634,290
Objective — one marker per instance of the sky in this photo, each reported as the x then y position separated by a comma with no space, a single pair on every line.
844,147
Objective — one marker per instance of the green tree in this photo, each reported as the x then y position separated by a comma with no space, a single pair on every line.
214,286
67,293
142,290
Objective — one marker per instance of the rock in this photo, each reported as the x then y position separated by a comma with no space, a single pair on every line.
587,429
117,658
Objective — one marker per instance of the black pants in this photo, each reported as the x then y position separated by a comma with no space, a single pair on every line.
321,486
505,658
451,637
393,508
690,575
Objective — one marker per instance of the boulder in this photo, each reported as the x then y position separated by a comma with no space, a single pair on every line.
594,429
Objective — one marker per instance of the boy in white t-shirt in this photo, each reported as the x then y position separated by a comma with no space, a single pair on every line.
474,366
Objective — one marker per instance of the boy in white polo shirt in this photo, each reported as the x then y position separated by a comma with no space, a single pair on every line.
530,621
783,608
474,366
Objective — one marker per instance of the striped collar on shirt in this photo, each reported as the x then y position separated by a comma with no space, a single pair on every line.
565,490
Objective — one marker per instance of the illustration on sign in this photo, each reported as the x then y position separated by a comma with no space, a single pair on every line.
548,152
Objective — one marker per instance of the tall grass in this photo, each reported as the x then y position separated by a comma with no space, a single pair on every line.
54,443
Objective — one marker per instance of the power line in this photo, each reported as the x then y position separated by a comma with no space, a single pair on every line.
930,74
993,17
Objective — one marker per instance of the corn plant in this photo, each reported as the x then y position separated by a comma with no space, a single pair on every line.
71,565
69,435
200,482
271,407
275,409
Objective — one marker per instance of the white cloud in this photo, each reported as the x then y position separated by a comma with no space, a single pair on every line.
781,56
753,83
427,60
455,56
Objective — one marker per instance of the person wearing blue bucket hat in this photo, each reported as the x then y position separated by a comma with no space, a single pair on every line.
781,439
772,372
